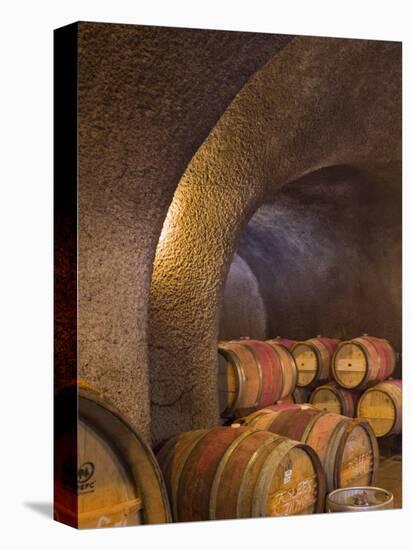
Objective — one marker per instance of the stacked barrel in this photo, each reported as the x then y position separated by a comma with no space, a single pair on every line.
253,374
243,471
334,396
382,406
363,361
313,360
238,472
331,397
365,365
351,378
302,420
347,448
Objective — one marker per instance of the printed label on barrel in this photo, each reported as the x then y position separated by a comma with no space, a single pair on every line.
80,480
294,499
85,480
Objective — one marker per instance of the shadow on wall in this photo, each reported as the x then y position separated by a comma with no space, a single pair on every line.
326,253
243,312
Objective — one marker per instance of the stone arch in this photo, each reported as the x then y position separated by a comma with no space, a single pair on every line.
326,251
320,102
147,98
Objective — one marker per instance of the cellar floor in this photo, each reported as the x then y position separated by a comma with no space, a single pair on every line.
390,477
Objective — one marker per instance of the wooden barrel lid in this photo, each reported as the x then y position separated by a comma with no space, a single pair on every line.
114,480
326,398
307,363
382,407
350,365
290,482
358,457
241,365
332,398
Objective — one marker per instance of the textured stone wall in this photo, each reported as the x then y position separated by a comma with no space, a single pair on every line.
214,124
327,254
318,103
147,98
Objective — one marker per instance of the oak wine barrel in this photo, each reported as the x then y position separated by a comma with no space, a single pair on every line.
363,361
288,366
313,360
237,472
347,447
381,405
115,479
359,499
250,376
332,398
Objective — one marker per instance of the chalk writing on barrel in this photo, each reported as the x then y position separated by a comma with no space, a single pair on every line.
358,466
294,499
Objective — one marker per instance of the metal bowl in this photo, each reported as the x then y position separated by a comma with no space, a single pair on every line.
359,499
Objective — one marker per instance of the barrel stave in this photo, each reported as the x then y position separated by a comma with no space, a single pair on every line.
288,366
242,472
347,448
115,479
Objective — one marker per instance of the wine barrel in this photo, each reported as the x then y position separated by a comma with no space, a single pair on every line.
332,398
382,407
313,360
363,361
105,475
359,499
299,395
347,447
286,342
228,473
250,376
288,366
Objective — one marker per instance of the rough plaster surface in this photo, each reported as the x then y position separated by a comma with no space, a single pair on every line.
243,311
327,254
318,103
147,98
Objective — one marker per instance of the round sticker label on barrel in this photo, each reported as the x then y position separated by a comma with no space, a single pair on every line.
85,483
